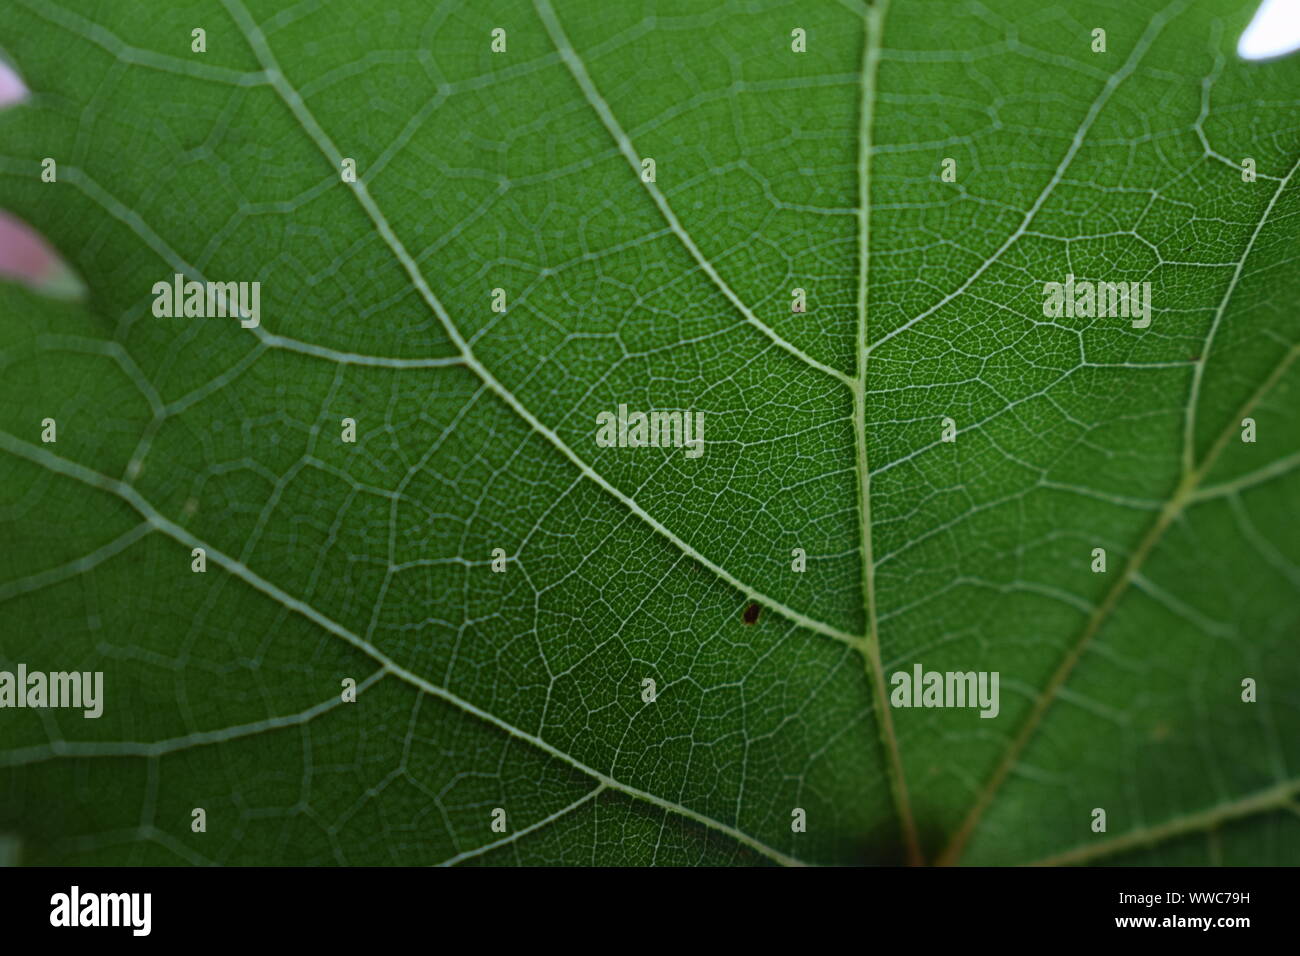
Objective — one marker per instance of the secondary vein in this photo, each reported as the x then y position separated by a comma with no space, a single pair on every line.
624,143
1183,497
234,566
1279,797
327,147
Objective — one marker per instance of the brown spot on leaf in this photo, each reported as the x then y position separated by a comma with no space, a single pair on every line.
751,613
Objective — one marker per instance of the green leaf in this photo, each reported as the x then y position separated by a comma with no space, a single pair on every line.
522,690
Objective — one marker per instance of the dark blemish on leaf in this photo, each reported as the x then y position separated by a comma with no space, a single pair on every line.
751,613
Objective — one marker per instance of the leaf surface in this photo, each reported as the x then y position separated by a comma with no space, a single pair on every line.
522,690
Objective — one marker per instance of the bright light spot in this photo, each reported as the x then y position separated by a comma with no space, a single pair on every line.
1274,31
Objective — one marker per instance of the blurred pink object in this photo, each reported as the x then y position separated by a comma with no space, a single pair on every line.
12,88
25,256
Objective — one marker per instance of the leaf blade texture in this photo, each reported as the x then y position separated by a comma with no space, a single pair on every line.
523,690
